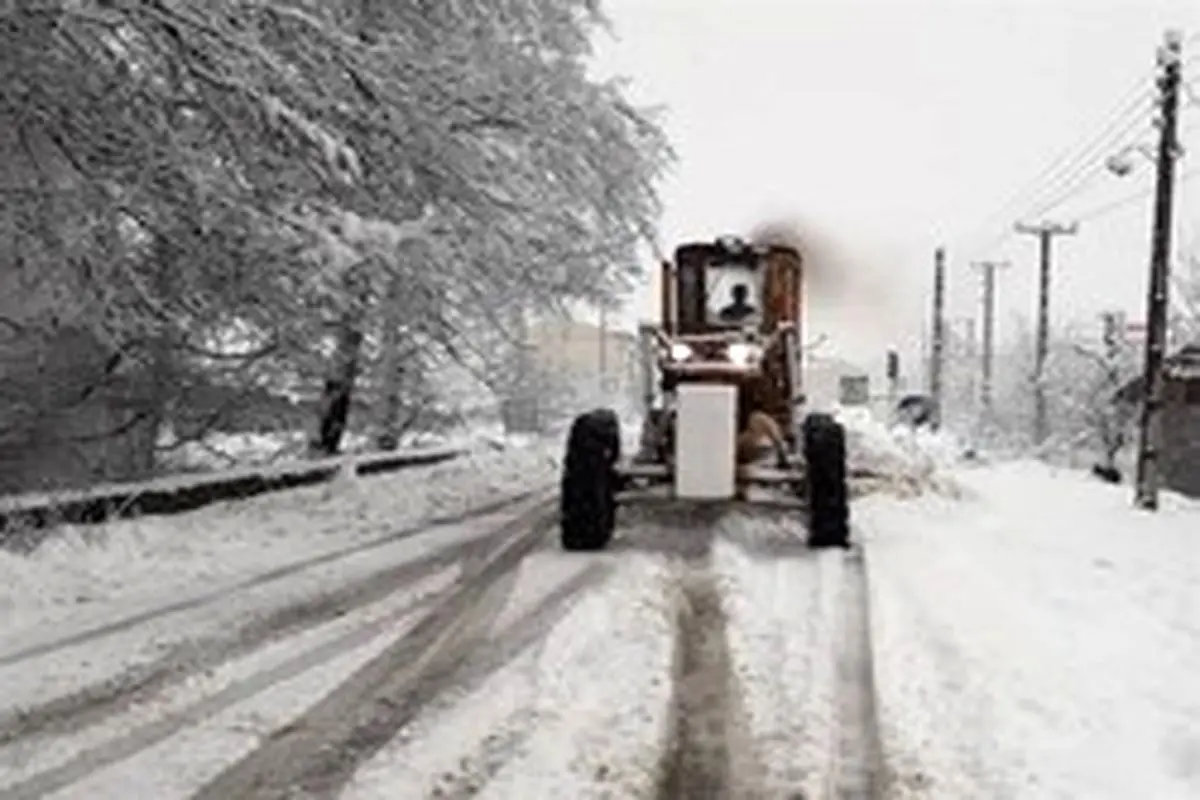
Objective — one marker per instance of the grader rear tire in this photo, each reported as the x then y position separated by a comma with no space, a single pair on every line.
587,503
828,496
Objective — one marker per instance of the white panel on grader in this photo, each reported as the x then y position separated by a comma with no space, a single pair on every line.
705,438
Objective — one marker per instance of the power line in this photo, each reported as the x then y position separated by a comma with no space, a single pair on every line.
1127,200
1117,112
1090,157
1088,167
1088,171
1135,95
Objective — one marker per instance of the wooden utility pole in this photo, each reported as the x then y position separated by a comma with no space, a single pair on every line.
1045,232
1112,335
970,352
987,356
1150,433
938,337
892,369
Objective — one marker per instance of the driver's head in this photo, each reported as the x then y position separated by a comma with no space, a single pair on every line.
740,292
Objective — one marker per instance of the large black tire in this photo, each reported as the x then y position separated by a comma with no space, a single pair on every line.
588,504
825,474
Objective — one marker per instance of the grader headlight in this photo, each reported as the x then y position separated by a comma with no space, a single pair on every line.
743,354
680,352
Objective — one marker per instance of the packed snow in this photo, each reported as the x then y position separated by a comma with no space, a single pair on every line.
215,568
1036,638
782,614
171,743
582,713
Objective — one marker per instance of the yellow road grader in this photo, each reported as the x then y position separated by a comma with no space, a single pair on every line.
722,400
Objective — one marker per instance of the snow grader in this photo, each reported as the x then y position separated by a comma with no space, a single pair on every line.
723,407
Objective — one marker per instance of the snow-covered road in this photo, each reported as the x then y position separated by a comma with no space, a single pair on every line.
1006,632
471,658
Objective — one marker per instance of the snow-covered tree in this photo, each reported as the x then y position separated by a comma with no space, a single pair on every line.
270,168
1084,369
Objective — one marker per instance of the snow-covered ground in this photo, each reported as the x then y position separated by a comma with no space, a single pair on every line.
80,566
1031,637
1036,638
581,714
248,555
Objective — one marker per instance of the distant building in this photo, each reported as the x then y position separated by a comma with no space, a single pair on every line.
824,378
586,365
1180,457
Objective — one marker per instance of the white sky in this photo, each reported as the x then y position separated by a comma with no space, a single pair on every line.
892,127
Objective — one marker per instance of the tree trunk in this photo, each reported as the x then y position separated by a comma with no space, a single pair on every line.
393,367
338,392
160,368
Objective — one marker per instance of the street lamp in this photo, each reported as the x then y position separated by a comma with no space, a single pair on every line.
1121,162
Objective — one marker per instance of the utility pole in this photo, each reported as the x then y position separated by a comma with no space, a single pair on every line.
987,357
1150,432
892,370
970,353
938,337
1045,232
1113,323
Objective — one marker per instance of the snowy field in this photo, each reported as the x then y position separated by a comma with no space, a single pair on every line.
1020,632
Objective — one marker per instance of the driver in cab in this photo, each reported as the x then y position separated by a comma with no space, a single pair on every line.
738,310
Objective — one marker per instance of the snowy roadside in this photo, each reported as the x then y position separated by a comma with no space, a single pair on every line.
83,570
1036,639
97,606
138,647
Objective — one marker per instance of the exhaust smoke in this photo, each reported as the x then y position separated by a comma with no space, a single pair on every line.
854,291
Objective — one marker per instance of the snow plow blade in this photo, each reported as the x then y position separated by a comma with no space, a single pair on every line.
760,486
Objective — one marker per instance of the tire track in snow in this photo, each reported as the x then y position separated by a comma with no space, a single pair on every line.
92,760
856,768
708,720
501,744
318,754
579,711
281,573
142,683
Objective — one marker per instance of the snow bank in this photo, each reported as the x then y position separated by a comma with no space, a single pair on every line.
1038,640
162,555
219,451
904,461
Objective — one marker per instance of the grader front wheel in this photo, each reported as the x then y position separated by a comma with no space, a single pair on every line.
587,502
824,441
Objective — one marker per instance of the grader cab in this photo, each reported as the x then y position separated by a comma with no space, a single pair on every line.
722,403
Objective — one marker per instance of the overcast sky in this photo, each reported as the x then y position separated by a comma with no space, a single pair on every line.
887,128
